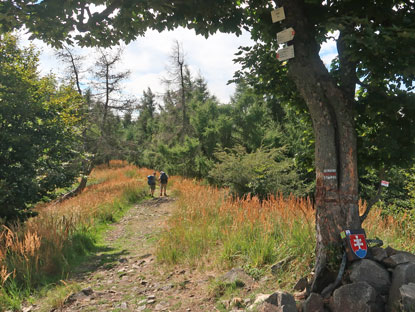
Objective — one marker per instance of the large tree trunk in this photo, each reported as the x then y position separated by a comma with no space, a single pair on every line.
335,146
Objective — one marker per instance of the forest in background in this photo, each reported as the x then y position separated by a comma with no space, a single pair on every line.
54,133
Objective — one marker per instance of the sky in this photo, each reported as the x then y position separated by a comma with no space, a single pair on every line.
147,58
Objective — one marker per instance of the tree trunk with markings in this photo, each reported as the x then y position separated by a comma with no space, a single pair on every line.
330,107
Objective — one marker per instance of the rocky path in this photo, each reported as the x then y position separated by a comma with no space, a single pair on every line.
126,277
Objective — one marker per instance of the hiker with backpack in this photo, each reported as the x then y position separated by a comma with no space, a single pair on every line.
151,181
163,182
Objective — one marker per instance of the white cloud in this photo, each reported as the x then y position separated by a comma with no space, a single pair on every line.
148,57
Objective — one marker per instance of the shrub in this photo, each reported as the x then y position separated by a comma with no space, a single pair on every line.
264,172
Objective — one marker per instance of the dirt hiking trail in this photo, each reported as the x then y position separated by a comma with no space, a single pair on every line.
130,279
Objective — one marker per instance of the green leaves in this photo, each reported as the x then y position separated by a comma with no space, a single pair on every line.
39,131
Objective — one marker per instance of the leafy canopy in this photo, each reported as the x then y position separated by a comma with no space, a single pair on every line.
39,132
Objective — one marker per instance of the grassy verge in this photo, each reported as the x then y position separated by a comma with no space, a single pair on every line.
211,230
39,254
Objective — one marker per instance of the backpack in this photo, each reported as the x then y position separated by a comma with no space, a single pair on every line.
163,178
151,180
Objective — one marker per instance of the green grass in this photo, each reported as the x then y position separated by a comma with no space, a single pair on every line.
83,244
199,234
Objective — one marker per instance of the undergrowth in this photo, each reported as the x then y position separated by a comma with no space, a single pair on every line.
43,250
210,229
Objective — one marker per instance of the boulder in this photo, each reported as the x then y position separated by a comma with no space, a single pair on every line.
278,302
390,251
371,272
399,258
378,253
407,293
267,307
301,284
314,303
356,297
402,275
259,300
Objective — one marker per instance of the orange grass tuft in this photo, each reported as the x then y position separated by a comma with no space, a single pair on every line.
31,248
208,220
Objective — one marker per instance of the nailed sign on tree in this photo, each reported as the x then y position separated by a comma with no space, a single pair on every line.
285,53
278,15
285,35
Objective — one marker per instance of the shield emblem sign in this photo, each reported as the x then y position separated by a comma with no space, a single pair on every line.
355,244
358,245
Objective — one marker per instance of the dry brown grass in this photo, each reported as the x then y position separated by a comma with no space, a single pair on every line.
31,248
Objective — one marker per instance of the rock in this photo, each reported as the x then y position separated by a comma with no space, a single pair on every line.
356,297
267,307
260,298
159,307
87,291
400,257
314,303
301,284
407,293
81,295
166,287
123,306
283,300
390,251
402,275
151,297
378,253
237,276
140,308
371,272
123,260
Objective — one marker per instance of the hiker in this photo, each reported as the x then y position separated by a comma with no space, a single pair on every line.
163,182
151,180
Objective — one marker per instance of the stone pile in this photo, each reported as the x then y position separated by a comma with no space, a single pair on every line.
384,282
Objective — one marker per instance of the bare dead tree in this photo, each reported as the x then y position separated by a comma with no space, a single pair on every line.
178,83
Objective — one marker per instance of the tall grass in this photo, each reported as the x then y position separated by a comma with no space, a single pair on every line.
396,230
43,248
242,231
211,229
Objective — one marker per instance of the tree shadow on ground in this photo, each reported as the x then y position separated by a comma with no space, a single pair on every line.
102,258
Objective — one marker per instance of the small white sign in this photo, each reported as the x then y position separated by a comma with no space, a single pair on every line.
285,53
384,183
285,35
278,15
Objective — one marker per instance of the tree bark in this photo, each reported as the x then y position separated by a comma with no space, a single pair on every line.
335,144
81,186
